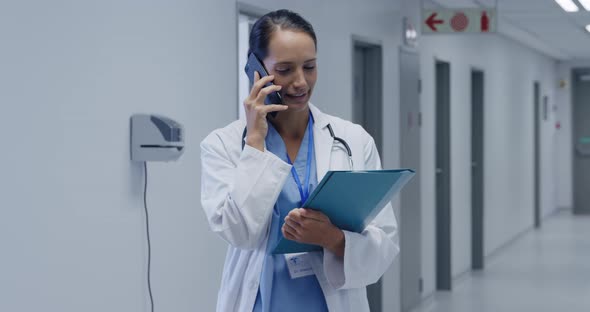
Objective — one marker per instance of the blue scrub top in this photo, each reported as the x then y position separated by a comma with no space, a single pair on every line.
277,291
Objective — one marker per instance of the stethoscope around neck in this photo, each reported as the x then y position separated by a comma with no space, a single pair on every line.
335,138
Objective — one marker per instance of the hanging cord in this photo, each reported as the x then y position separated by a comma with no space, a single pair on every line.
147,230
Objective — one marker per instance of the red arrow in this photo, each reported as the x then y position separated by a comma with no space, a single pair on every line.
432,21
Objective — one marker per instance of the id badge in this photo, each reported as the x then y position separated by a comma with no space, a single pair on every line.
299,265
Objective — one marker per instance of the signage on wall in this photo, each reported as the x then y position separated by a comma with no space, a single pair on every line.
410,33
446,21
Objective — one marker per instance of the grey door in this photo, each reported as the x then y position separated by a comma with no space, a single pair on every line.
359,90
410,211
368,90
443,176
581,143
368,112
477,158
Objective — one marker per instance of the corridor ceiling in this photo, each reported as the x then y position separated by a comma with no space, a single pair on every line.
540,24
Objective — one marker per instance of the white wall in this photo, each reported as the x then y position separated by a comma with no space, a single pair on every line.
510,70
72,230
564,148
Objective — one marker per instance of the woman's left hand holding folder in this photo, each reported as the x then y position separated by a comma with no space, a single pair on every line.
310,226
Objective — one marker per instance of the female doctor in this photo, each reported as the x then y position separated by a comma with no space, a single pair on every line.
257,172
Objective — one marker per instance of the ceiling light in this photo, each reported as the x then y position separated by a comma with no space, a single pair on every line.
585,4
568,5
588,28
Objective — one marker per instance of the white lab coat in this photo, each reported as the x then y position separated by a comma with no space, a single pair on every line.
239,190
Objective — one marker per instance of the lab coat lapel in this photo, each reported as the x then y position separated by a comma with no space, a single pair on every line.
323,147
322,142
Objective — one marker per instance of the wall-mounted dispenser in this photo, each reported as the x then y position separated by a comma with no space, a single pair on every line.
156,138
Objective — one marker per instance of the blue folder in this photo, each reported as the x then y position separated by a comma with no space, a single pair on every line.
351,199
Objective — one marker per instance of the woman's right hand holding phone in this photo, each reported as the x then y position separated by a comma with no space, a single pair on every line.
256,110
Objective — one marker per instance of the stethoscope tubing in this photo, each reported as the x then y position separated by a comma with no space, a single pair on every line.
337,139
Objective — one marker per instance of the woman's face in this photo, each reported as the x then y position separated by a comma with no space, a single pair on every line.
292,60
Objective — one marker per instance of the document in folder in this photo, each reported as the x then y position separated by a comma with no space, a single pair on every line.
351,199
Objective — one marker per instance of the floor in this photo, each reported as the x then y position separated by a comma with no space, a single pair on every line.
546,270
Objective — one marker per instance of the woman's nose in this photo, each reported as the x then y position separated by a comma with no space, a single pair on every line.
299,80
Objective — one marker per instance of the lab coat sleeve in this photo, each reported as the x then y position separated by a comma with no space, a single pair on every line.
367,255
238,197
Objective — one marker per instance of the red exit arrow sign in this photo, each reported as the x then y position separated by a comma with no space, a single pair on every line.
459,20
432,21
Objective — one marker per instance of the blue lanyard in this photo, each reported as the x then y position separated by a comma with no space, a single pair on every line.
304,189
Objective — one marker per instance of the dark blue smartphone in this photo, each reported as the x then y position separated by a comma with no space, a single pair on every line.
255,65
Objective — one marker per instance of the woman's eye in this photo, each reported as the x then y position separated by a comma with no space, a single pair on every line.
281,70
309,67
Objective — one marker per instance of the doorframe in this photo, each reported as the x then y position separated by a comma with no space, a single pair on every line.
375,97
251,12
411,287
537,152
444,276
477,171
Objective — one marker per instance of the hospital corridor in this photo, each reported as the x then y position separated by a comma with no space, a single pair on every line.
281,156
539,271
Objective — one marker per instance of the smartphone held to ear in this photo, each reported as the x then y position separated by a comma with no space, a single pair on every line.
255,65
